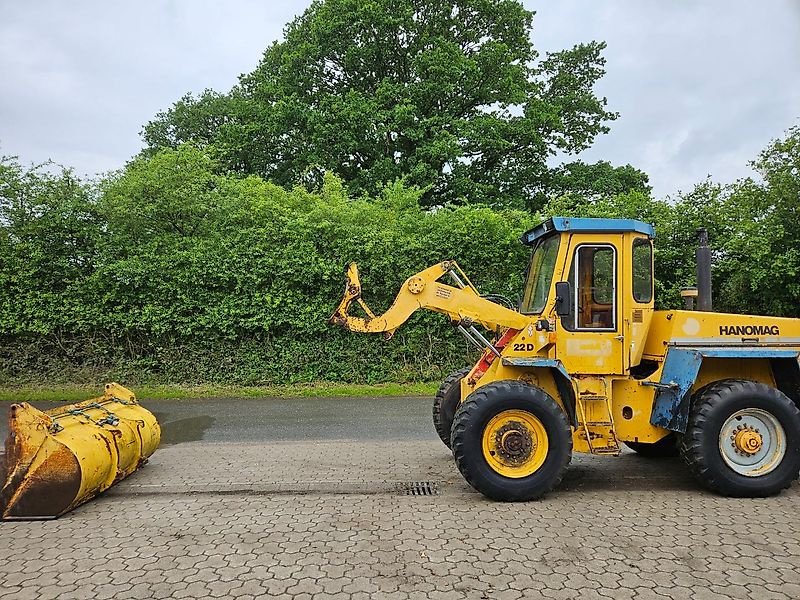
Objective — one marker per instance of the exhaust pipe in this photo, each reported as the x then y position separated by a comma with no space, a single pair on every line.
703,256
688,294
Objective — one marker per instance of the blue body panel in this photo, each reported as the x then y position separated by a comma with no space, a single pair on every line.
681,366
583,225
550,363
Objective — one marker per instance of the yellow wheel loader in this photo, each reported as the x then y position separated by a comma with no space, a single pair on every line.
586,364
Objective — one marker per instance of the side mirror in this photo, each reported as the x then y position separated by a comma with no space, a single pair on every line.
563,294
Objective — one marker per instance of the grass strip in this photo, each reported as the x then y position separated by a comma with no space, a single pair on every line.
83,391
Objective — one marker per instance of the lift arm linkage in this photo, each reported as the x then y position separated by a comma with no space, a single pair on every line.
461,303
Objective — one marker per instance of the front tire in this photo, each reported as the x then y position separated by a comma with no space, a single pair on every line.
743,439
511,441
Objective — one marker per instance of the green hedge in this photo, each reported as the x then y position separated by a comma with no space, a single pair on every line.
171,272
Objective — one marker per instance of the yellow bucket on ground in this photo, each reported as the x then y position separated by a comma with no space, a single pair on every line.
58,459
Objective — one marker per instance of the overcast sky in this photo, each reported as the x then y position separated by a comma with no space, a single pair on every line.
701,87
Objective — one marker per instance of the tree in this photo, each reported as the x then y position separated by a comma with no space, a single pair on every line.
593,181
760,252
173,193
49,237
452,97
190,120
753,227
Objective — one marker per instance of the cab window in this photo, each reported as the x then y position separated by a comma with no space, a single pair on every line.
540,275
594,282
642,270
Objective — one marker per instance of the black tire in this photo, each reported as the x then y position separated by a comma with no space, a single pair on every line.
666,447
472,418
700,447
446,402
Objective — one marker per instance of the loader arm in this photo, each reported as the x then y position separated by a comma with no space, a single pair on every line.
460,302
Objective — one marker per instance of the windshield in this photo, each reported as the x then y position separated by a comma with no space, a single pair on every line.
540,275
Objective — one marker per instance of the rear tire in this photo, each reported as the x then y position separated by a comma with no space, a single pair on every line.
446,402
511,441
743,439
666,447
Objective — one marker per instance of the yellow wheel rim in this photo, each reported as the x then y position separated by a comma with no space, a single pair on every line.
515,443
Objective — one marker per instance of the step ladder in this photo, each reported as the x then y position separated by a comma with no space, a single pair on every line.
594,413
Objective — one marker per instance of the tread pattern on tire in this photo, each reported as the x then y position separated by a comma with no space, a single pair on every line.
704,403
466,412
443,425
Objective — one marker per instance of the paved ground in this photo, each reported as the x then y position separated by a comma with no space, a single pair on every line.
246,505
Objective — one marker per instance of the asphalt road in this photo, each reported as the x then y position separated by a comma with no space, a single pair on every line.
282,419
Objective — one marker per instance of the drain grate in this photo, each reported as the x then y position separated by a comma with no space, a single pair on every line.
420,488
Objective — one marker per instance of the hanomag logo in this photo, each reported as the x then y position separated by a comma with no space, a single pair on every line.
749,330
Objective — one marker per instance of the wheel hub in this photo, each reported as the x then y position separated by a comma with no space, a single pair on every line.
752,442
514,442
747,440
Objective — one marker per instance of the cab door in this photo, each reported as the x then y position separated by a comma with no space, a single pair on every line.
590,339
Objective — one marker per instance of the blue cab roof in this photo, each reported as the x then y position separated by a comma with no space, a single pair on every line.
583,225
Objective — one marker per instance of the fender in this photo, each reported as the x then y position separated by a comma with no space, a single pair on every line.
681,366
563,381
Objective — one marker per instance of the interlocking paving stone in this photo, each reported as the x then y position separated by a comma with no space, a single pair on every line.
330,520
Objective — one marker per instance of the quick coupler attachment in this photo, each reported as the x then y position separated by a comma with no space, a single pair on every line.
58,459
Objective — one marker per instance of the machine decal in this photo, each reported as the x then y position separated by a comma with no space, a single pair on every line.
443,292
749,330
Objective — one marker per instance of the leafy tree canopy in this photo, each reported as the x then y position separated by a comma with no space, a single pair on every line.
594,181
452,97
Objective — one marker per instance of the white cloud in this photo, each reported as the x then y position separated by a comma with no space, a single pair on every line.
701,87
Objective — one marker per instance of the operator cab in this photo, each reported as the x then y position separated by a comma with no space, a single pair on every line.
592,279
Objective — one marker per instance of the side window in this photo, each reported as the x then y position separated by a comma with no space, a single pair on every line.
642,270
594,282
